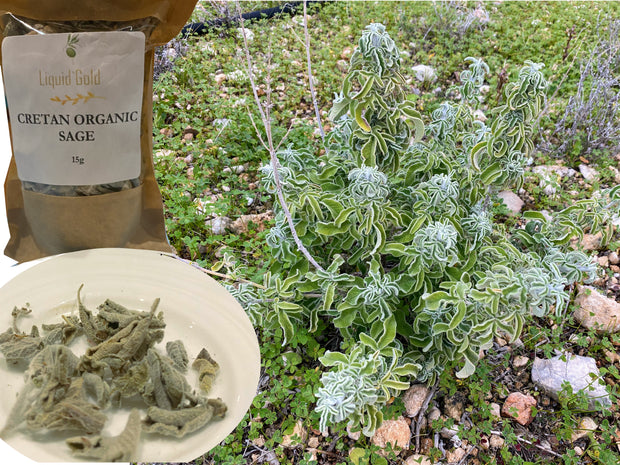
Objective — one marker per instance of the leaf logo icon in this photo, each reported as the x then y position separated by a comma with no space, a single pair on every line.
72,42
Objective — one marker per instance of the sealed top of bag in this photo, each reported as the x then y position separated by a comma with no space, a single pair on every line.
165,17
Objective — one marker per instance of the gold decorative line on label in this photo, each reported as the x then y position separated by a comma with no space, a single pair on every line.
75,100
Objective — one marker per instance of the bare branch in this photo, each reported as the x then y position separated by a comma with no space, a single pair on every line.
418,421
310,77
288,131
265,116
215,273
256,129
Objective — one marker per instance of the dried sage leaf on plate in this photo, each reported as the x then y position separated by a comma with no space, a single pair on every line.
121,448
207,369
64,392
177,353
178,423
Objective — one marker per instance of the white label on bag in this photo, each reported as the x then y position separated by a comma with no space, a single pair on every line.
74,103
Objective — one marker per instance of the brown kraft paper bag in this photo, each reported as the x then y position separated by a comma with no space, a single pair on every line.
81,175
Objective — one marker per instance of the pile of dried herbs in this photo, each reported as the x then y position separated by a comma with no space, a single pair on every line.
70,393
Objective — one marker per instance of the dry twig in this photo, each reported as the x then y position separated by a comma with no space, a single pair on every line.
310,77
266,119
418,421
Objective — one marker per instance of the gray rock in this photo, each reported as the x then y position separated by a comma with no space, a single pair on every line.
479,116
550,374
546,171
588,173
219,224
512,201
433,414
424,73
449,433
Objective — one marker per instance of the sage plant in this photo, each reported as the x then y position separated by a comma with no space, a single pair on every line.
415,273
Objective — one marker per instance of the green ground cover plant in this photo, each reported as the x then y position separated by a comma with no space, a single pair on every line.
378,203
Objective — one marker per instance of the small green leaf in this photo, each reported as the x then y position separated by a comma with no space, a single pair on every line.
389,332
333,206
358,115
433,300
330,229
491,173
286,325
358,456
331,359
343,216
368,152
346,317
368,341
329,296
476,153
397,385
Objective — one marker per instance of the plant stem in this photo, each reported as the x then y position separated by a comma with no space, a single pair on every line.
219,275
418,422
265,117
310,78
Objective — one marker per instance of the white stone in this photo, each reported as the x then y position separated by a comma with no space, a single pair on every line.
496,410
496,441
580,372
479,116
249,35
424,73
298,436
417,459
220,78
163,153
448,433
588,173
520,361
456,455
219,225
591,241
354,435
546,171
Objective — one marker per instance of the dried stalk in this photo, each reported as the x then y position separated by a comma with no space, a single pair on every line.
215,273
530,443
418,420
266,119
310,77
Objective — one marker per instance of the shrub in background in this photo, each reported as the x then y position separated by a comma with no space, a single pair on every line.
414,272
591,118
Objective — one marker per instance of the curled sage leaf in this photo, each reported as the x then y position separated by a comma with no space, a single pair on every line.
207,369
121,448
178,423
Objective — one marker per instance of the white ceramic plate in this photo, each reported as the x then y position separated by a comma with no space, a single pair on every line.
196,309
